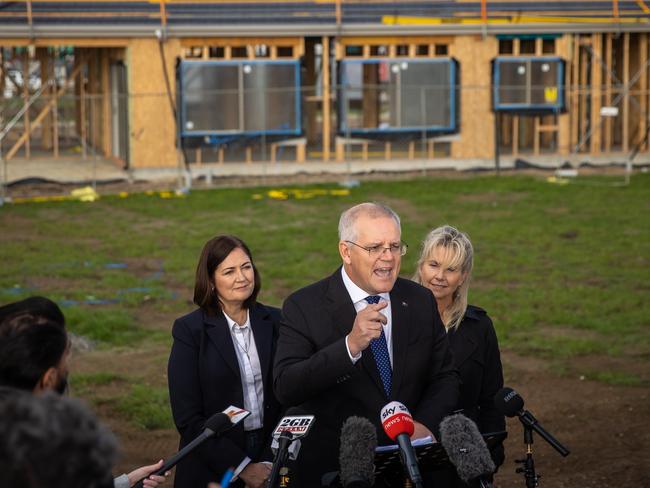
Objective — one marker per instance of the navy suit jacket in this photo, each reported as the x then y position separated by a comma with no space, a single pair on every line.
204,379
313,369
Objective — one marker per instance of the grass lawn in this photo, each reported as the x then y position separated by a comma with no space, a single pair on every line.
562,269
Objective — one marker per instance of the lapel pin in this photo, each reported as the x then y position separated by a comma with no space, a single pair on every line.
404,304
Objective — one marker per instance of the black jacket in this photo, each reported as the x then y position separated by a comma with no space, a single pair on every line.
476,354
204,379
312,367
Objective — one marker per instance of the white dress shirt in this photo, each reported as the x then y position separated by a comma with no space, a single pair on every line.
358,297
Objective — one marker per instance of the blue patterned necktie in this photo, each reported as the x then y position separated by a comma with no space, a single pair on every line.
380,352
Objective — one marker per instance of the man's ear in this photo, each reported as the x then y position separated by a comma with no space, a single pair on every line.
344,251
48,381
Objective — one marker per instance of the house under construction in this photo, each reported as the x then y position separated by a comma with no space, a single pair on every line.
196,84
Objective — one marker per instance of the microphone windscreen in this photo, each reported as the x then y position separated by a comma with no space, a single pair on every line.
465,447
295,411
508,402
357,452
218,422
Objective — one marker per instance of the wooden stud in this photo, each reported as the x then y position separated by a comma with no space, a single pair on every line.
411,149
227,52
596,90
626,98
106,103
643,89
326,98
364,151
575,93
45,68
198,159
301,153
221,151
583,95
26,121
536,136
515,135
340,151
249,154
387,150
37,120
608,91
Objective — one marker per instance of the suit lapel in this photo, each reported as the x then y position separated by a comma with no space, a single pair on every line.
217,331
400,332
262,327
343,313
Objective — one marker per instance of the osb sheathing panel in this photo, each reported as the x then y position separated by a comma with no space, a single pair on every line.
152,126
474,55
563,49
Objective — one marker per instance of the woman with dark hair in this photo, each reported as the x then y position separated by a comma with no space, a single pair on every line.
222,356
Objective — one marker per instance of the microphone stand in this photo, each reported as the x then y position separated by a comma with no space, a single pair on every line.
528,470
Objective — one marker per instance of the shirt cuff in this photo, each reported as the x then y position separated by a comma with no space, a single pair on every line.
241,467
121,481
354,359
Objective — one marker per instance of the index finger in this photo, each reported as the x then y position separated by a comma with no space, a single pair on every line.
378,306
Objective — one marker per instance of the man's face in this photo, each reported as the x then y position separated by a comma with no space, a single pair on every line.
374,272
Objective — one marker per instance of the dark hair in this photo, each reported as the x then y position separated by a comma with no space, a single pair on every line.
50,441
37,306
29,346
215,251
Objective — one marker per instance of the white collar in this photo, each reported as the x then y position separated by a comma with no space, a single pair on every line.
356,293
232,324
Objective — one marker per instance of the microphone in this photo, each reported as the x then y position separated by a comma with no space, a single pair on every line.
466,449
357,453
215,425
508,402
398,425
291,428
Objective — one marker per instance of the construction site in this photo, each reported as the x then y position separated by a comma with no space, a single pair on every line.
125,90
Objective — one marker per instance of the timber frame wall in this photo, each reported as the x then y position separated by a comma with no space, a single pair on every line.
604,68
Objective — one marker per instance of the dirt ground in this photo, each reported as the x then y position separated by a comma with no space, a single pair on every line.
605,427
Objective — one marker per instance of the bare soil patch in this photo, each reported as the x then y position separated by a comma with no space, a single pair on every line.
604,426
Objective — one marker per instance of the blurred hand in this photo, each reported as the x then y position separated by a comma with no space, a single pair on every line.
151,481
255,475
420,431
367,326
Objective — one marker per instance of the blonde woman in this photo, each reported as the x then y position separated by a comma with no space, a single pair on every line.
445,268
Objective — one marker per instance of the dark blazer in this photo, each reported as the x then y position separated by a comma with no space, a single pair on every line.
204,379
313,369
476,352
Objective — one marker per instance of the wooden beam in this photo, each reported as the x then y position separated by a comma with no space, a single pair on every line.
326,97
26,121
575,93
596,93
106,103
643,89
626,98
21,140
608,90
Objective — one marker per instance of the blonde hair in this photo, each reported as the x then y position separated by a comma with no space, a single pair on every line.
452,239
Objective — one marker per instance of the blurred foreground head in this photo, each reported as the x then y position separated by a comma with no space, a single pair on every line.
36,306
34,353
50,441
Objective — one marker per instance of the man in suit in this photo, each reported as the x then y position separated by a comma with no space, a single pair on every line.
363,337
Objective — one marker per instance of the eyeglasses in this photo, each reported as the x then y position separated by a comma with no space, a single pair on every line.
376,251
